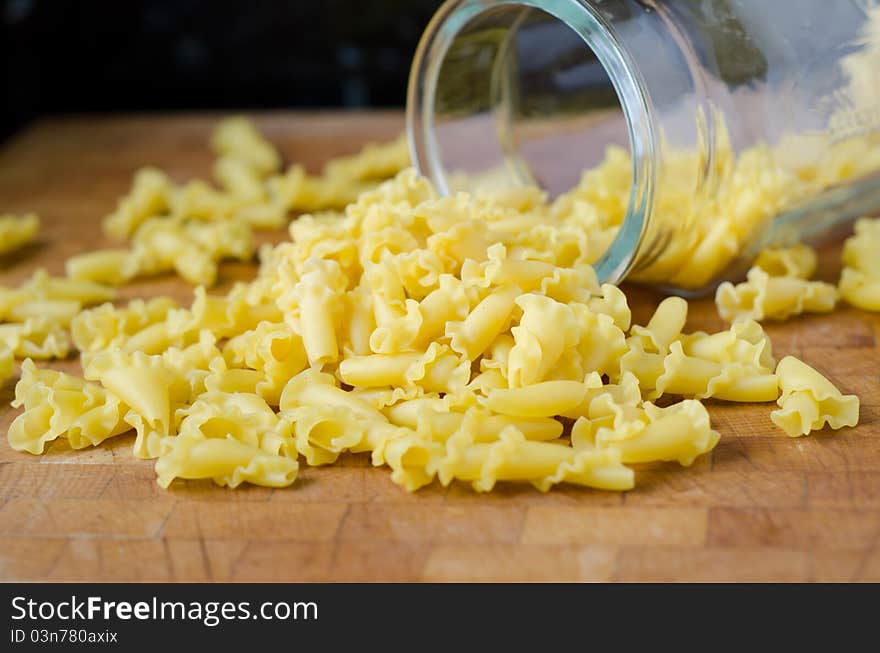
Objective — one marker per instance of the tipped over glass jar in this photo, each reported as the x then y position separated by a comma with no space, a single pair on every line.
684,136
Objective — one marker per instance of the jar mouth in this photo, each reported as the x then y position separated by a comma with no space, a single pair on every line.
583,19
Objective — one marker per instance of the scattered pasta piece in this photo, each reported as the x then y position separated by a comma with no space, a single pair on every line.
17,231
38,337
150,196
799,261
60,405
231,438
762,297
809,400
860,278
238,138
108,266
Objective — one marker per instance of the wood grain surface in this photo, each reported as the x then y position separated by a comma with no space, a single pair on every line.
762,506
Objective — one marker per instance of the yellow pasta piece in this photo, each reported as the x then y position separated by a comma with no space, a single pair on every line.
774,298
239,179
151,389
107,326
611,401
745,342
376,161
601,346
58,311
860,278
546,329
697,377
17,231
612,303
150,196
51,298
544,464
43,286
799,261
315,310
272,349
239,138
107,266
544,399
681,432
192,249
484,323
665,326
231,438
860,290
809,400
60,405
312,388
39,338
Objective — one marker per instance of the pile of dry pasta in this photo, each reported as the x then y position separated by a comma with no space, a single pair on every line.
460,338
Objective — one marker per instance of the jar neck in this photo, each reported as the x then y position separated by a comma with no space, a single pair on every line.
599,32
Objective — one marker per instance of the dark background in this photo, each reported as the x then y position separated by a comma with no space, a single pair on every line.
71,56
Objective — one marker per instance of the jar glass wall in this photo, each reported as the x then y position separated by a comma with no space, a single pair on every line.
710,129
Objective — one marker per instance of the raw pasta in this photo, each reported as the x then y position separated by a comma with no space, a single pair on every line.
809,400
860,278
38,338
60,405
799,261
17,231
462,338
763,297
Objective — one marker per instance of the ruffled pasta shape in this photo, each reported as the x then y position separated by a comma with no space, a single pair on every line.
313,309
152,390
17,231
860,289
43,286
664,328
690,376
52,298
745,342
238,138
681,433
472,336
799,261
601,346
545,399
543,464
546,330
376,161
231,439
39,338
150,196
809,400
107,266
107,326
763,297
192,249
60,405
432,419
272,349
860,278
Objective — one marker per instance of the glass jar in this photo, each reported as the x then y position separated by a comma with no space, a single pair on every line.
709,130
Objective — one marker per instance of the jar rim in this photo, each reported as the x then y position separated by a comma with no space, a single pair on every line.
581,17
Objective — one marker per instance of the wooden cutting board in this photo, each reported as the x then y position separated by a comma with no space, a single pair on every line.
762,506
